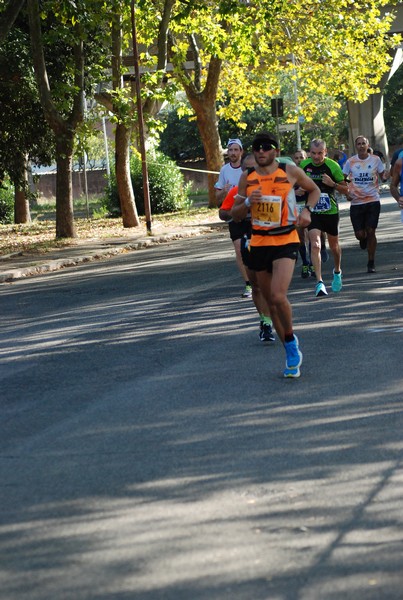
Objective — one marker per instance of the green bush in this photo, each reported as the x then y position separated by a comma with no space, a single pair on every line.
6,203
167,187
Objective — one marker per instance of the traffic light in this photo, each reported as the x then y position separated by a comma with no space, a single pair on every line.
277,107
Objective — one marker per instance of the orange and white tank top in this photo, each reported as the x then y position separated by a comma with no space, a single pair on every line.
273,219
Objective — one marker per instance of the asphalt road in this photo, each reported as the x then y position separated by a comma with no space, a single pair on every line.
150,448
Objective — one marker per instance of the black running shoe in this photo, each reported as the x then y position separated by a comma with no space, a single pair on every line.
266,333
371,267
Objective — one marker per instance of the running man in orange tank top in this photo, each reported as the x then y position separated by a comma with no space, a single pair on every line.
268,191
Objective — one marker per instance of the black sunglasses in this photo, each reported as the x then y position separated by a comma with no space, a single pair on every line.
265,146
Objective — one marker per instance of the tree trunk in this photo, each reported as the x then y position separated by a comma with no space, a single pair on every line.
65,227
122,134
203,102
21,206
21,202
123,178
207,124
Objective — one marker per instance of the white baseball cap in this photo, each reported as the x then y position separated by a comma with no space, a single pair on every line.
235,141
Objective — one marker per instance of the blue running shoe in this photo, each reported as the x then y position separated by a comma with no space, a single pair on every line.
292,372
293,354
337,283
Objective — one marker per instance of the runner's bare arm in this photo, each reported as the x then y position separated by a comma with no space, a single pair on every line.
240,210
221,193
394,184
298,177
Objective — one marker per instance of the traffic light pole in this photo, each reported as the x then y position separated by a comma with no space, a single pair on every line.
298,131
277,111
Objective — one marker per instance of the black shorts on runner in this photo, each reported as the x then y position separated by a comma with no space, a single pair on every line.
262,257
245,252
238,229
365,216
327,223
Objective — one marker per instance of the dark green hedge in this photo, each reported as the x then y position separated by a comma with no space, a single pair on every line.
6,203
168,191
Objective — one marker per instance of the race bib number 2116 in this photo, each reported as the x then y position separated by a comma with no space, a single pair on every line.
267,212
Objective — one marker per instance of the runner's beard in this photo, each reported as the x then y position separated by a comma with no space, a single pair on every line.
267,160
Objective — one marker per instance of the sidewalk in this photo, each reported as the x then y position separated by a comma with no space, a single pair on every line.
19,265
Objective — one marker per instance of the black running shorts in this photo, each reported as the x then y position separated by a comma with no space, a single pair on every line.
238,230
262,257
327,223
365,216
245,252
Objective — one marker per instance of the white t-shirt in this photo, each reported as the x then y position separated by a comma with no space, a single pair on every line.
363,175
228,174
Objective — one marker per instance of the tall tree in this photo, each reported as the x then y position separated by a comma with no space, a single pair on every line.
67,43
123,130
119,102
26,137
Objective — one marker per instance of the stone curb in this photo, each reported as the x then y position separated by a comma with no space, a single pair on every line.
100,253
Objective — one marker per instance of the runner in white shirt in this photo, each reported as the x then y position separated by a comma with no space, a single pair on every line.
230,172
362,171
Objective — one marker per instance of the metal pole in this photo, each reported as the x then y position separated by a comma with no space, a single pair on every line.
108,168
86,184
85,164
296,102
298,130
147,205
278,127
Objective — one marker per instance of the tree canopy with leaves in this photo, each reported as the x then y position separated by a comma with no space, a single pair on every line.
238,49
25,138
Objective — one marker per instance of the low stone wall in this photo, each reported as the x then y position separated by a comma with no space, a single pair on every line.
194,172
96,182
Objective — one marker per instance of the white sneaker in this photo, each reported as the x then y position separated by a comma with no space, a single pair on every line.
320,289
247,292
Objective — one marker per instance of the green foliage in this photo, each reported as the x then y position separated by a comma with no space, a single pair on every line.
311,40
90,140
65,25
168,191
6,203
24,130
180,139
